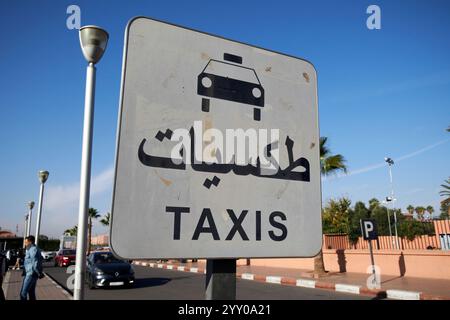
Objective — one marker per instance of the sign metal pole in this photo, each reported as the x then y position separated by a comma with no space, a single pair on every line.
372,260
220,279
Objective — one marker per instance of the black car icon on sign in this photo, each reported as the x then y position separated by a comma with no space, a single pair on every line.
232,82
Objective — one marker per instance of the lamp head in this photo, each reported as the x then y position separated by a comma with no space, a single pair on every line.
389,161
31,205
43,176
93,41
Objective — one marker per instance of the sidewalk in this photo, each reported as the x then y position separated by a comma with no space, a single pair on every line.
46,288
406,288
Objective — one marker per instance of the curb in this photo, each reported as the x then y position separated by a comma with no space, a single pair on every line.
309,283
66,292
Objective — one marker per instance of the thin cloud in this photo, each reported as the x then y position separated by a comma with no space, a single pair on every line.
413,191
383,164
61,202
60,196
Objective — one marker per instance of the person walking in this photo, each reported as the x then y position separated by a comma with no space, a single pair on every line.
32,269
8,258
19,257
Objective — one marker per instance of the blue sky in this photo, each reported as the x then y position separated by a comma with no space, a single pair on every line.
381,92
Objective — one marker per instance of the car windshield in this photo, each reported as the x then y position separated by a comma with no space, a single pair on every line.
228,70
68,252
101,258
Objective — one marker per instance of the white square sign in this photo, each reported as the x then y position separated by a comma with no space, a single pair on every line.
217,149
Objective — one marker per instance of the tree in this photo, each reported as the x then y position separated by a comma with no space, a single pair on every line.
105,220
72,232
445,209
373,203
93,214
420,211
412,228
335,216
329,164
43,237
445,192
410,209
379,214
430,211
49,244
359,212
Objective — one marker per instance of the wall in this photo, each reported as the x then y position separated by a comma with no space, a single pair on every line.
433,264
341,241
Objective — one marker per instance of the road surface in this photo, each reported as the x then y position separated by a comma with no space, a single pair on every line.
171,284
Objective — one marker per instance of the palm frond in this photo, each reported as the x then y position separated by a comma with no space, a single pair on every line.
324,150
333,164
446,187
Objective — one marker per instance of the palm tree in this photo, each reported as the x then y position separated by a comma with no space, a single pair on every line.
430,211
329,164
410,209
445,192
420,210
93,214
72,232
105,220
373,203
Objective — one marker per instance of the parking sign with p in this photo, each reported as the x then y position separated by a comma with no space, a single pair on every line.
369,229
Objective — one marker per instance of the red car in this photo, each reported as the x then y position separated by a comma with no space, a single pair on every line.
65,257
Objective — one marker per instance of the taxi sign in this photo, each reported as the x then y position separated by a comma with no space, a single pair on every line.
217,149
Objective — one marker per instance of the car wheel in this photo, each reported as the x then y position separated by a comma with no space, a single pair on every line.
55,263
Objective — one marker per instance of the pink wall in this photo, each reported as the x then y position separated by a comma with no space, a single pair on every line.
341,241
432,264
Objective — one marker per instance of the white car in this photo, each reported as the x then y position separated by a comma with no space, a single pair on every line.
48,255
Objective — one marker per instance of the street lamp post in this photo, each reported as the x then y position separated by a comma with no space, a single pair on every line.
25,229
43,176
93,42
390,163
30,215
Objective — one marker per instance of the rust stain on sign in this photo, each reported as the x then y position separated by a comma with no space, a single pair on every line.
166,82
268,69
165,181
208,124
306,76
205,56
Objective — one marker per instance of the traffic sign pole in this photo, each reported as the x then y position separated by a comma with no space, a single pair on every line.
220,279
372,260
